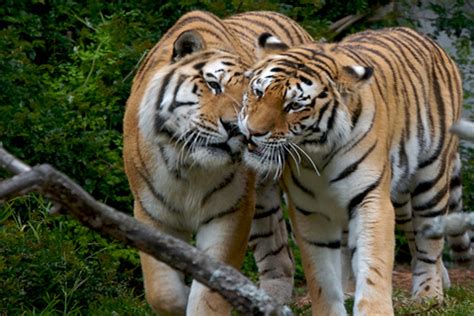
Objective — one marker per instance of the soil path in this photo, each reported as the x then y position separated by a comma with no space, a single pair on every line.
457,275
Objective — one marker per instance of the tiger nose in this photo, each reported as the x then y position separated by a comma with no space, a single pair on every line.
230,127
260,125
251,145
255,133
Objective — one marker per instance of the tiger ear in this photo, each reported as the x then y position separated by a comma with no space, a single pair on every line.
268,44
355,76
187,43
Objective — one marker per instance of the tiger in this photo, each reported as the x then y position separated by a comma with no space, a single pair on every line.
357,131
182,151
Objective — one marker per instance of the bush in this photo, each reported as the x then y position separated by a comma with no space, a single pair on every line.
56,265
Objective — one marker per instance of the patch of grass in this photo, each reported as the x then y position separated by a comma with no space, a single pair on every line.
128,304
53,265
459,301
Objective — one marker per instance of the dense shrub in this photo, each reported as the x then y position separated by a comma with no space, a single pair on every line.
54,264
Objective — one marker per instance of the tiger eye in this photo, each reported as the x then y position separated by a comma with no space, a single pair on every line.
215,86
323,94
294,106
258,93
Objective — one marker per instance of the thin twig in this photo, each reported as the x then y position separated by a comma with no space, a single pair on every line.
135,67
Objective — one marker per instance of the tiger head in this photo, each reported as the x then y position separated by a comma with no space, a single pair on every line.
192,102
299,102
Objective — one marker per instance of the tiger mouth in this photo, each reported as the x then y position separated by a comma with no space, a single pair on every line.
260,151
251,146
220,146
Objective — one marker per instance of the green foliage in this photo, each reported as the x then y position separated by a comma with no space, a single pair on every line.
467,153
458,301
455,19
249,267
53,265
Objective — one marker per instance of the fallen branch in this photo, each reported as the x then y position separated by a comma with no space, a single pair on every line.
342,24
57,187
379,14
454,224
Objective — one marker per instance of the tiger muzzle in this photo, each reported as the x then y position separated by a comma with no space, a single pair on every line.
251,145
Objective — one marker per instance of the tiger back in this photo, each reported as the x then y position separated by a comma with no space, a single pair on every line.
181,155
359,131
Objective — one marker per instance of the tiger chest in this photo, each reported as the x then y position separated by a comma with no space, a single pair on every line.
310,194
331,192
186,200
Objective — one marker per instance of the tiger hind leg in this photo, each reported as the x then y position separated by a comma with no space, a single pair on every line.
460,244
404,220
429,201
269,242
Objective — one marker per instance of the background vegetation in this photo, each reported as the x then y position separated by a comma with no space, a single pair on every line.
65,72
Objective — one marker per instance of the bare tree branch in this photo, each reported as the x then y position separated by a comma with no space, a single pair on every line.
232,285
342,24
379,14
11,163
452,224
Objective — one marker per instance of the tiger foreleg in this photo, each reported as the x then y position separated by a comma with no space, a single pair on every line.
372,238
269,242
224,238
319,240
348,278
165,289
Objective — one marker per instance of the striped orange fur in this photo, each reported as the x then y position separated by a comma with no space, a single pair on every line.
182,151
359,132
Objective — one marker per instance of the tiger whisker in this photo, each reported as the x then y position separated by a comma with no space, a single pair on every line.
281,160
309,159
294,159
190,143
181,137
275,157
292,146
181,141
279,170
189,136
200,138
264,158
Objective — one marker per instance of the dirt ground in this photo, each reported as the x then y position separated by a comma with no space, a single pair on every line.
458,276
402,280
